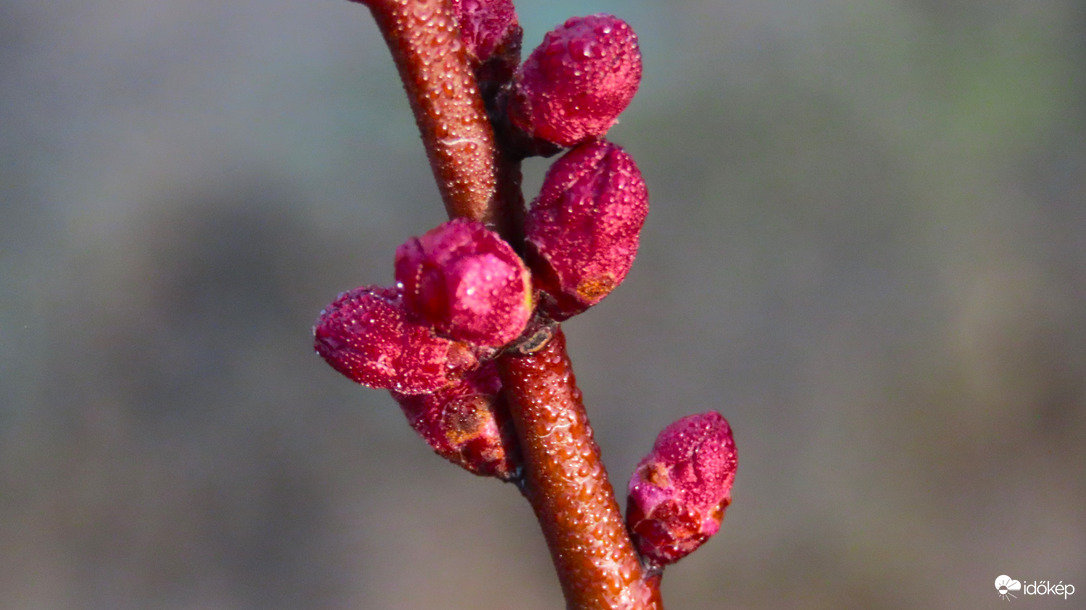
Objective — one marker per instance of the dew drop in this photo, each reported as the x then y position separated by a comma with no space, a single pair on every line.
580,48
424,11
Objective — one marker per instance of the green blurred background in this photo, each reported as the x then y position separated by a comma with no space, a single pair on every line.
867,248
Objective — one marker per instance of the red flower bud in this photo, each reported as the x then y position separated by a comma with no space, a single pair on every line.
467,282
583,229
487,27
574,85
468,423
678,493
366,335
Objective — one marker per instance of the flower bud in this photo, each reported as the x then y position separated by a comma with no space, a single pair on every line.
467,282
366,335
574,85
583,230
488,29
468,423
678,493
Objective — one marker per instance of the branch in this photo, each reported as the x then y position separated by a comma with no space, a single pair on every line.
568,487
444,96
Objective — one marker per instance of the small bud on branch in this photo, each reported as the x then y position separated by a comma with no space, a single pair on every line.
366,335
678,493
468,423
466,282
574,85
584,228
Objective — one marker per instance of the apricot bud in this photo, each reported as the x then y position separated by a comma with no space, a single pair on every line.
575,84
487,27
367,335
678,493
584,228
467,282
468,423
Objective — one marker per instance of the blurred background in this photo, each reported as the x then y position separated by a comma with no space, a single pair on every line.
867,248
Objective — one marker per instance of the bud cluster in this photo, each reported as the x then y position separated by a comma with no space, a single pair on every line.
462,293
582,231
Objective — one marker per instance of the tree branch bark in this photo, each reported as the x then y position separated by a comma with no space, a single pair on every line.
568,487
433,65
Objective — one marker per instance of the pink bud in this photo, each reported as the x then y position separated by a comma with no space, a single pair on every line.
366,335
487,27
468,423
678,493
583,229
574,85
467,282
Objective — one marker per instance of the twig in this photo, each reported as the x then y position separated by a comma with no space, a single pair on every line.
568,486
444,97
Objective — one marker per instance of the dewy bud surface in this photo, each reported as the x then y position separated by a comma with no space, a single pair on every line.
467,282
468,423
574,85
366,335
678,493
486,26
584,229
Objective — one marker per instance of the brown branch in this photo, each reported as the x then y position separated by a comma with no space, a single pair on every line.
444,96
568,487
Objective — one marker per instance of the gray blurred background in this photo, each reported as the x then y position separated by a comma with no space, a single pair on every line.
867,248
